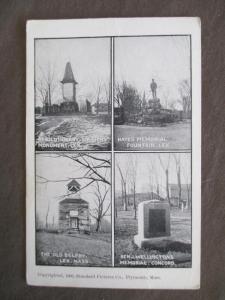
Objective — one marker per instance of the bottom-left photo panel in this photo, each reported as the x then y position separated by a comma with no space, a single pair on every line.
73,209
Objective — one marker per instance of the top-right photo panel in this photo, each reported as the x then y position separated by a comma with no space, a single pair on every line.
152,93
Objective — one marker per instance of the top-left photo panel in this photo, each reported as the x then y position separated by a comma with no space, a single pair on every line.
72,94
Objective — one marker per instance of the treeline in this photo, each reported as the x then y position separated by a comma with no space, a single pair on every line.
127,96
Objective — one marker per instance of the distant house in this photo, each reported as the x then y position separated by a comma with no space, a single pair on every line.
38,110
100,108
55,108
88,106
185,195
140,197
154,196
74,211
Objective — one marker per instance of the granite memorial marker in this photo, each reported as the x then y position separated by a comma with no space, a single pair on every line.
153,221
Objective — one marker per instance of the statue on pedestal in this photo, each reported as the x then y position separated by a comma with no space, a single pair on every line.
153,86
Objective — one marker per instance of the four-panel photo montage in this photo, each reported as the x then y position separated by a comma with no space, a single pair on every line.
113,131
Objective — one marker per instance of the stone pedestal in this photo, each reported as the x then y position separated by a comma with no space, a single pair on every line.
154,103
153,222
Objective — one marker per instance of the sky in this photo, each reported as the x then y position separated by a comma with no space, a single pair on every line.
89,58
144,169
61,169
137,61
165,59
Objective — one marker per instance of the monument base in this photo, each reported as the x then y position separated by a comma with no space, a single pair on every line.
165,243
142,242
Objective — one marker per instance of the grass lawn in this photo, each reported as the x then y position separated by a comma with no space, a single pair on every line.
177,246
73,249
174,136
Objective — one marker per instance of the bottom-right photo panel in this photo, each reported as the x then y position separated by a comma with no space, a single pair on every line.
153,223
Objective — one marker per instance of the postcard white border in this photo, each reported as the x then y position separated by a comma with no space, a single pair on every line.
131,278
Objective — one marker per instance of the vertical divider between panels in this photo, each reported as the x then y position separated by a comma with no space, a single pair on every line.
112,146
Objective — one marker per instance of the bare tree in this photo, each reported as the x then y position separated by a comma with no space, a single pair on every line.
124,177
133,163
185,93
45,223
153,176
116,212
185,172
41,92
98,98
39,223
107,89
95,170
166,97
178,171
165,167
188,188
150,178
122,192
101,94
101,208
46,82
47,214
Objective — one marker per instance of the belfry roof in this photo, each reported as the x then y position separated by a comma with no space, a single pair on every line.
74,201
68,74
73,182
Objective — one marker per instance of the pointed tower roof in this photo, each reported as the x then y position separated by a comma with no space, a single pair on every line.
73,184
68,75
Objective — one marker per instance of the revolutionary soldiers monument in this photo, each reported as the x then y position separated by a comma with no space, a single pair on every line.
69,90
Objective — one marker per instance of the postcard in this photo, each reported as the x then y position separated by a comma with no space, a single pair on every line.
113,153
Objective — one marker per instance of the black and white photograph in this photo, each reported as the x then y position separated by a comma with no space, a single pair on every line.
152,93
72,94
153,210
113,153
73,209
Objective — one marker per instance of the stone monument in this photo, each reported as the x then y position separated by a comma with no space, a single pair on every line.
153,222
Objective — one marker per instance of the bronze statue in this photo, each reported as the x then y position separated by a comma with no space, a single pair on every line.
153,86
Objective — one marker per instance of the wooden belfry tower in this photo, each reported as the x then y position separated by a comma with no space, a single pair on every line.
74,211
69,90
